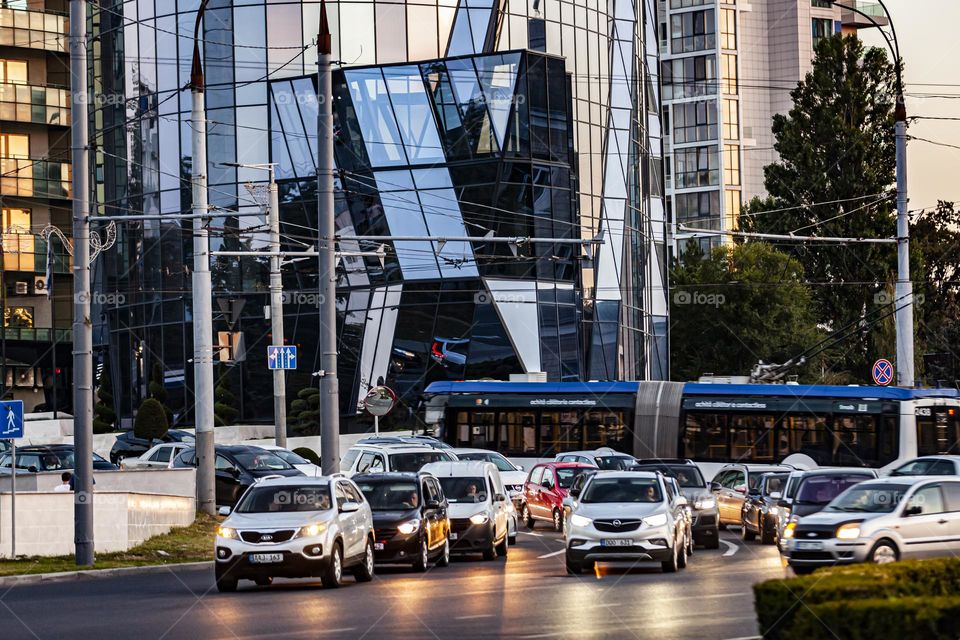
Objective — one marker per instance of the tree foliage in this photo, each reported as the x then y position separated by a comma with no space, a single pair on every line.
834,178
104,413
151,421
158,390
304,415
736,306
225,410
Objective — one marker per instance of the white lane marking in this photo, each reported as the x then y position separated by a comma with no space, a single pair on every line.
479,615
746,638
732,548
531,533
550,555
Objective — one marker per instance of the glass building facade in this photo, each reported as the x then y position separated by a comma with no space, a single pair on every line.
460,118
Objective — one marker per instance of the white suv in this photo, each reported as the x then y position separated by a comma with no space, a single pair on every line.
296,527
627,515
381,458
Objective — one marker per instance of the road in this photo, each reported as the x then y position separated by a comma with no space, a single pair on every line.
527,596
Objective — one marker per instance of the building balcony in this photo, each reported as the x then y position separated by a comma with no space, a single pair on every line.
27,177
35,104
32,334
857,20
42,30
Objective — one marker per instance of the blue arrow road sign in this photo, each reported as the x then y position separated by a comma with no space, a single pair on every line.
281,357
11,419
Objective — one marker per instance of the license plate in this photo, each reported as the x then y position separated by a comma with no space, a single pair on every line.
808,546
378,546
265,558
616,542
453,536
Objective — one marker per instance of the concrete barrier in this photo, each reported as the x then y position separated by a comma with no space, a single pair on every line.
170,482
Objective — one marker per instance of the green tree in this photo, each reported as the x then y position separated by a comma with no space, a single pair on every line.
834,178
736,306
158,390
305,412
105,416
224,402
151,421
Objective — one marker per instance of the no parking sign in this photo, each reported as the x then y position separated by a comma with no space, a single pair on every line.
883,372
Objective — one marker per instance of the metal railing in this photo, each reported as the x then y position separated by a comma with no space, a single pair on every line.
32,334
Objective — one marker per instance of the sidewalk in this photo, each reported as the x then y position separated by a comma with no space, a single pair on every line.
7,582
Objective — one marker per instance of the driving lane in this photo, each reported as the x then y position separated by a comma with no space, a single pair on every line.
527,596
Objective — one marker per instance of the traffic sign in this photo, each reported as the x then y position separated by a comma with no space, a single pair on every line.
11,419
883,372
282,357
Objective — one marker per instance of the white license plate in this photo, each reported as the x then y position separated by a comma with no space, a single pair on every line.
808,546
265,558
378,546
453,536
616,542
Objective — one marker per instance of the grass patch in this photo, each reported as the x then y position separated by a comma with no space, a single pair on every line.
182,544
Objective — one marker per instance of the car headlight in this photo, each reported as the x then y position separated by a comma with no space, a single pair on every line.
850,531
580,521
657,520
311,530
788,530
704,502
479,518
227,532
409,527
773,511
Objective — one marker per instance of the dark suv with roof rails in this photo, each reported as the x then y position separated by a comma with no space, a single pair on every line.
237,467
705,523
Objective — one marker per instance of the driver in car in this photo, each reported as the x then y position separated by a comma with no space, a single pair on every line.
412,500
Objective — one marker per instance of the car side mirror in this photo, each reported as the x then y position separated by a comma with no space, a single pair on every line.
520,467
349,507
432,504
775,495
574,493
740,488
715,486
235,472
500,497
913,510
224,511
32,469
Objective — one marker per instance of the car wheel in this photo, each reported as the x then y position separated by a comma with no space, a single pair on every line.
331,577
512,540
690,544
423,559
574,568
682,555
364,572
502,548
884,552
444,559
768,534
491,553
225,582
264,581
746,534
557,521
714,541
671,565
526,517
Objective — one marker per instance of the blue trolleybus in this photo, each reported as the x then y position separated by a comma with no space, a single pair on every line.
710,423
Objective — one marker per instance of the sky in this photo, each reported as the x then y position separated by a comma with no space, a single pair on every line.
927,31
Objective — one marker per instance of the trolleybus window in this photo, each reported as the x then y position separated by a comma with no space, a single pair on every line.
938,431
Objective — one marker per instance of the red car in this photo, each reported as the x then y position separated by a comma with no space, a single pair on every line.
545,489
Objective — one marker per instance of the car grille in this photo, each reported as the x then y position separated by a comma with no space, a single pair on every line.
458,525
705,520
266,537
384,533
811,555
814,533
616,526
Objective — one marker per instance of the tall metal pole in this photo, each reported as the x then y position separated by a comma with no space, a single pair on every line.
202,291
329,391
904,290
82,325
276,314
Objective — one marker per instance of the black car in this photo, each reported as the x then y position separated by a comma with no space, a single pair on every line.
128,445
237,467
761,515
409,518
705,520
50,457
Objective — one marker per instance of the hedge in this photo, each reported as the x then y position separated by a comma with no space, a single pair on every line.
887,599
308,454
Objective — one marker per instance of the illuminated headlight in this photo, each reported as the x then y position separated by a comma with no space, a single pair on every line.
311,530
657,520
409,527
480,518
849,531
227,532
788,530
704,502
517,488
579,521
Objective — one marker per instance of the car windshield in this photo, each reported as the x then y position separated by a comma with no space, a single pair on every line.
755,476
823,489
289,456
869,498
622,490
924,467
612,463
464,489
501,463
413,462
687,475
261,461
284,499
565,476
390,496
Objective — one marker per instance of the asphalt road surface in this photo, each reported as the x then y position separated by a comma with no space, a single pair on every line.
528,595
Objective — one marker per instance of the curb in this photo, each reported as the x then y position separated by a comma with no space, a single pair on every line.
86,574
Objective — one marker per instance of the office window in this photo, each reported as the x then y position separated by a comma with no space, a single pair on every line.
697,167
733,200
731,119
729,72
728,28
682,4
696,207
694,122
822,28
822,4
689,77
731,164
14,145
20,317
13,71
692,31
18,242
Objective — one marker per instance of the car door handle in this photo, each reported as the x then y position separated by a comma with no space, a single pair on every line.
941,522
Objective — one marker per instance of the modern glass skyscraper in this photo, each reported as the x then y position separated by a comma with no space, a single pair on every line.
454,118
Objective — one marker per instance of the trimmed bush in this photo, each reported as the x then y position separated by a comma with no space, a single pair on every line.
915,618
224,402
788,609
151,420
308,454
104,416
